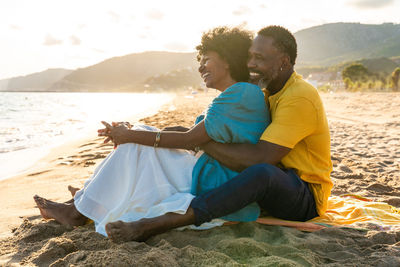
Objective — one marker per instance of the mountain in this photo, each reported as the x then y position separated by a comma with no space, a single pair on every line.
125,73
175,79
40,81
376,66
333,43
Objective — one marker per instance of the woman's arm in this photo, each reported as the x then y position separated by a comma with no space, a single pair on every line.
190,139
176,129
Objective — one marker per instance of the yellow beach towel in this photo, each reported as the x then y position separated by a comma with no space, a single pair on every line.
347,211
356,210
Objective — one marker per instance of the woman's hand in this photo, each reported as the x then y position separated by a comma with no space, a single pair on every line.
117,132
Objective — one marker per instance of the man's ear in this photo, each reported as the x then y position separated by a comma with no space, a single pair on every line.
286,61
226,66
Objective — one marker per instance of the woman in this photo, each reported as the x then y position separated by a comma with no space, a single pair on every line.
147,175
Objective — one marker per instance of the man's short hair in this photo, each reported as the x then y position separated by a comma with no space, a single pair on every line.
232,45
283,40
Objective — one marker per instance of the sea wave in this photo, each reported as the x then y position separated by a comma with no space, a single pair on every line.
38,120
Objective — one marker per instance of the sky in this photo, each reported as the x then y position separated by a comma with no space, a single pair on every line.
41,34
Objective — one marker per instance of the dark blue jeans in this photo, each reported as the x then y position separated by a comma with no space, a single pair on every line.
279,192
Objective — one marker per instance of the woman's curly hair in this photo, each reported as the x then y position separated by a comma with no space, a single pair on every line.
232,45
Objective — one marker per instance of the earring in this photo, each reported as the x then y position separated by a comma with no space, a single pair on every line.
281,68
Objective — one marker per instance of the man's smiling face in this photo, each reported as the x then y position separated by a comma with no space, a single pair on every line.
265,61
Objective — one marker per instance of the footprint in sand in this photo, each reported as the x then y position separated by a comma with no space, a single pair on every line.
88,144
380,188
345,168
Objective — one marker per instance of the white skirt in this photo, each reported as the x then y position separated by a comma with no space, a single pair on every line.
136,181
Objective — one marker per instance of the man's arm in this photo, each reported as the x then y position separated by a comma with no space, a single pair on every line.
238,157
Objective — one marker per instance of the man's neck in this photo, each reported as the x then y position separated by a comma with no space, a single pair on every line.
276,85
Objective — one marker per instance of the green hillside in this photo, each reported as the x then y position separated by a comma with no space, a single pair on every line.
126,73
174,80
374,65
382,66
330,44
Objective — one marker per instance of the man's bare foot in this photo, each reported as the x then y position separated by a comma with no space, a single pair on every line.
64,213
73,190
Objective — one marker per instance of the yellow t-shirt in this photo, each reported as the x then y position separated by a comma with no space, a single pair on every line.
299,122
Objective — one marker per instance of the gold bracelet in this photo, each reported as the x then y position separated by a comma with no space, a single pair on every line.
158,137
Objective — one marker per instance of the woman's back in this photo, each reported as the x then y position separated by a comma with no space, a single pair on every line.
237,115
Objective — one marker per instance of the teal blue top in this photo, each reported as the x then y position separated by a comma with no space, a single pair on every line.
237,115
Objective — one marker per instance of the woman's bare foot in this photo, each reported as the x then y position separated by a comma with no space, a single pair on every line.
143,229
120,231
73,190
64,213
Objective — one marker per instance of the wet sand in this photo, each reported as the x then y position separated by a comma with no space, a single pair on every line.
365,133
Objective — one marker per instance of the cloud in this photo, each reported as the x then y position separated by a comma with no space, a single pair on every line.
371,4
114,16
242,10
15,27
155,14
75,40
50,40
176,46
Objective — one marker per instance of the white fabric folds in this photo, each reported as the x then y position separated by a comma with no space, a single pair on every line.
135,182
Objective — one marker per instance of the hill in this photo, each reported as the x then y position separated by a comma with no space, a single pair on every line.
374,65
333,43
175,79
40,81
125,73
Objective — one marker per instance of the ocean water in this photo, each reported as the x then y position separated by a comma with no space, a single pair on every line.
32,123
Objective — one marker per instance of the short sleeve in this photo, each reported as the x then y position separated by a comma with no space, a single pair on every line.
238,115
295,118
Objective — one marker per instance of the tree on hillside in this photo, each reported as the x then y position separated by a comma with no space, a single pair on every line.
355,72
395,79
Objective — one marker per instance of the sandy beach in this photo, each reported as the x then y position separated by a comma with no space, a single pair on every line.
365,141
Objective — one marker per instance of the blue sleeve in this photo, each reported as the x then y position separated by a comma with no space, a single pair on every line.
237,115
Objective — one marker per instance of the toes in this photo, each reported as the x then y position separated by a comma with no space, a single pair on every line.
112,227
113,231
39,200
73,190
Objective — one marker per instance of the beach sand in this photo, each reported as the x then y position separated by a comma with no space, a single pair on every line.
365,133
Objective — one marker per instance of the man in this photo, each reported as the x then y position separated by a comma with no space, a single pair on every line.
286,172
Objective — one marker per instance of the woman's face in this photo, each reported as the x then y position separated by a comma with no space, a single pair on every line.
214,70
